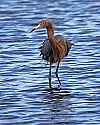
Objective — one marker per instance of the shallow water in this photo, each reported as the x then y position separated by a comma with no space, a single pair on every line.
24,95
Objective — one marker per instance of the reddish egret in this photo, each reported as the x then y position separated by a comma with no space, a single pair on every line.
55,48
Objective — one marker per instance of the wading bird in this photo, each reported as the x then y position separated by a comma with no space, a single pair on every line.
53,49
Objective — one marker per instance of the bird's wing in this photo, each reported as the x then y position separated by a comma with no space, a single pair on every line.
46,50
63,45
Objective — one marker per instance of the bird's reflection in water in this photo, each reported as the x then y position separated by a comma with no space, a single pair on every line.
56,94
58,104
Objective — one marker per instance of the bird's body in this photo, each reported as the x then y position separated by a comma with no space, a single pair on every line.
54,48
47,52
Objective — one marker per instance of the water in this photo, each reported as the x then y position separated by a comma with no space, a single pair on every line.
24,95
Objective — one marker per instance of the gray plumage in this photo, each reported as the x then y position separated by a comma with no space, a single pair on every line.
46,48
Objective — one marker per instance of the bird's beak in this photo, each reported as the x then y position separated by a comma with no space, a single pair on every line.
35,28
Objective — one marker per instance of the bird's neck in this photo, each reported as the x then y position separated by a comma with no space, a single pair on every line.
50,32
51,38
53,43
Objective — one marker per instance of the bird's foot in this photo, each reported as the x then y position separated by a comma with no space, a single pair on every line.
59,86
54,89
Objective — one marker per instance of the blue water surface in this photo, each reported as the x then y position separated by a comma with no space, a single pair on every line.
24,95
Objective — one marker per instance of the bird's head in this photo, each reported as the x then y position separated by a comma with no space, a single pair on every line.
41,24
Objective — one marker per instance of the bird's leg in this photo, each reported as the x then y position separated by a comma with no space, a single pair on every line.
57,73
57,69
50,76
